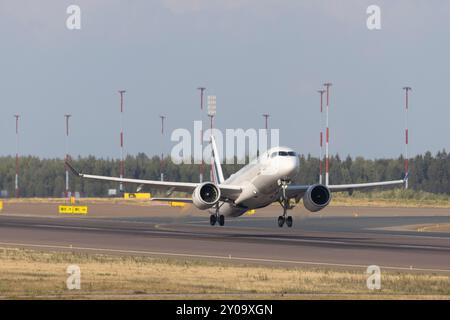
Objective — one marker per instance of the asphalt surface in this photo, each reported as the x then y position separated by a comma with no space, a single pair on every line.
386,240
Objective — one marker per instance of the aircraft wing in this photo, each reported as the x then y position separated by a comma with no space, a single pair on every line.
293,191
227,191
184,200
349,187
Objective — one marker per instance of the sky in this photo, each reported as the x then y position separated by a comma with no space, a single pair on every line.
256,56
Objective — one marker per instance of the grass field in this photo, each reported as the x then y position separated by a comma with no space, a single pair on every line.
390,198
38,275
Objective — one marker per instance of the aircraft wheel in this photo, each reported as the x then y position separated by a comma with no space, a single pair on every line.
212,219
289,221
280,221
221,220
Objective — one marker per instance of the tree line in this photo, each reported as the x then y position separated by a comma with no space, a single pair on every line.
46,177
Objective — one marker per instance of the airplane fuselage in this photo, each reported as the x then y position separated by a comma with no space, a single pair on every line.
260,179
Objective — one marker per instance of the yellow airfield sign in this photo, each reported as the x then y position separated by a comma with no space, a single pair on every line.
177,204
251,212
1,206
82,210
138,195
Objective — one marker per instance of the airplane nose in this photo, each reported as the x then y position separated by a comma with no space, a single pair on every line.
290,167
294,166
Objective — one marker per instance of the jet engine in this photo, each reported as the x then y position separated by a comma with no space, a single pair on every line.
206,195
316,197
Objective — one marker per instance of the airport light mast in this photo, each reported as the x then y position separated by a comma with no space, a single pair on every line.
407,89
212,109
327,156
161,161
266,127
321,135
202,168
67,117
16,179
266,117
122,164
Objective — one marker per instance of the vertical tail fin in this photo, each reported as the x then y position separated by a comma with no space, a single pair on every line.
217,165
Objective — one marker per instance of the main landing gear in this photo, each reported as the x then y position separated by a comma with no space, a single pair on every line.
284,201
283,219
216,217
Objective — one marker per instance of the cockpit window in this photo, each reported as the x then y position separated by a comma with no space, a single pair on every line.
283,154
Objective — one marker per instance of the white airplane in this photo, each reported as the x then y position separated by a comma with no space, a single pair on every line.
265,180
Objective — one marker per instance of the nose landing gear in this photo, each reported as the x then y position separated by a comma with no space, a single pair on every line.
284,201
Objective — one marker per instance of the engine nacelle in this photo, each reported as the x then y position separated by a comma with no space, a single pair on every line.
206,195
316,197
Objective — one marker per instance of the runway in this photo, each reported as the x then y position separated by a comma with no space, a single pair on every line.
337,241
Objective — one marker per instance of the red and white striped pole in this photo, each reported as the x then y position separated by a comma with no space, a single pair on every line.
67,116
211,172
266,124
161,162
202,165
327,158
122,164
16,180
266,127
321,136
407,89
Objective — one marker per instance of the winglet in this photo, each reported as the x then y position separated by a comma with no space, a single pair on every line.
72,169
405,180
217,164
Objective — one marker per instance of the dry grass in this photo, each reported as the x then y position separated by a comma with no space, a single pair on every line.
388,198
386,203
33,274
392,198
82,201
